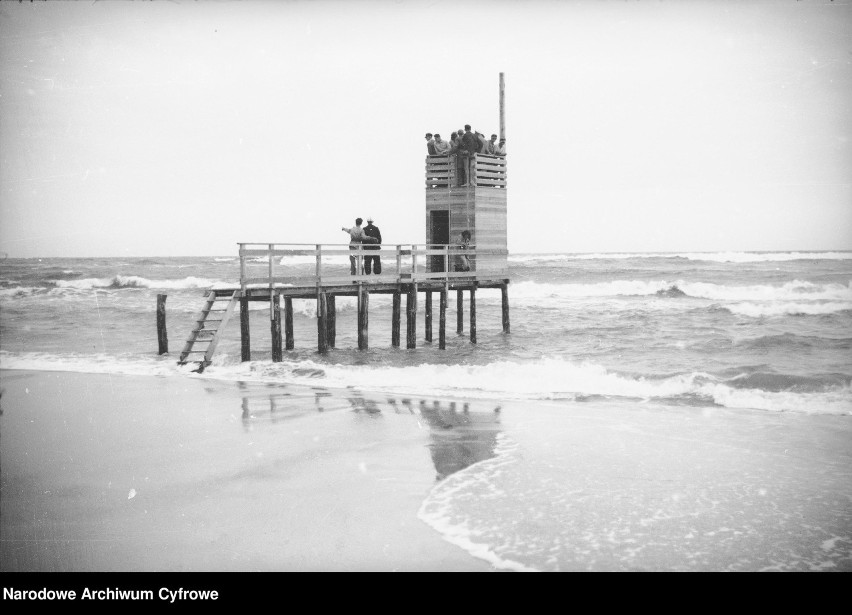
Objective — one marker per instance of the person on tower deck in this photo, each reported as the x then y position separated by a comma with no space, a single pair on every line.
490,147
373,233
442,148
430,144
458,152
356,236
500,150
471,144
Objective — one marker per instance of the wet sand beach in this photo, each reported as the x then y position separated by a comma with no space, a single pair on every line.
132,473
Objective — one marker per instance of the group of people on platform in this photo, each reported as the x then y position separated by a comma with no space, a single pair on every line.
463,144
372,237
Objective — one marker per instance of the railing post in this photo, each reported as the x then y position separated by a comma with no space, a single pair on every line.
319,265
413,262
398,263
242,268
271,285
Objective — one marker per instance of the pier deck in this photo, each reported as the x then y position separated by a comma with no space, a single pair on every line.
276,272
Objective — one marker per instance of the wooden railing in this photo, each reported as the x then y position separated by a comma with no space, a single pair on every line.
274,264
444,171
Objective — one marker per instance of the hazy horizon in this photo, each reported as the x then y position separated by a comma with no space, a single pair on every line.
169,129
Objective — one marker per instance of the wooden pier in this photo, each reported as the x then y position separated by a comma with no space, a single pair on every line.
465,197
409,270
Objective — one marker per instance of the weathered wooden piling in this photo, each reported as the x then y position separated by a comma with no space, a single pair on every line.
397,301
363,317
504,293
442,320
428,318
322,323
245,331
411,313
459,311
162,335
473,314
288,323
275,325
332,320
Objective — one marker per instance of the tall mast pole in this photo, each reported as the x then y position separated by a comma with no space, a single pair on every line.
502,107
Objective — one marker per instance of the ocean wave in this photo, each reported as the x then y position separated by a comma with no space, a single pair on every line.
133,281
795,290
718,257
545,379
788,308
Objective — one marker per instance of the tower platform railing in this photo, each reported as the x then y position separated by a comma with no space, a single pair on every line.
452,171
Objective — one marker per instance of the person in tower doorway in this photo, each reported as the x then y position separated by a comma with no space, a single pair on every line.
462,261
356,237
372,264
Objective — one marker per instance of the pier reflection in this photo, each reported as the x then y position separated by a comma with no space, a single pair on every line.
458,437
460,433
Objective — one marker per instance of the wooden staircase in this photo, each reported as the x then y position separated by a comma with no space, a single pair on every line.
208,326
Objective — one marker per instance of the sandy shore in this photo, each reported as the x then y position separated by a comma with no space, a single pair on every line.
141,473
123,473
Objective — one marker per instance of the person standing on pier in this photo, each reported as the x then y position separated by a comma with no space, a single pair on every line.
356,236
373,263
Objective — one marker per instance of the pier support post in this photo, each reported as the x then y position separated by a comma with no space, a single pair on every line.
332,320
162,336
442,320
277,354
411,313
363,317
473,314
288,323
504,292
459,311
245,330
322,323
428,315
397,300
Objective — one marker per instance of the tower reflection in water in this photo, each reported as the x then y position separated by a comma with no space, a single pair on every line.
460,433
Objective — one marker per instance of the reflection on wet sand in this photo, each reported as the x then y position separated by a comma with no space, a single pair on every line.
459,436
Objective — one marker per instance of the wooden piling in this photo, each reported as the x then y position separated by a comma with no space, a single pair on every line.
504,292
275,325
428,316
245,331
363,318
332,320
411,313
397,300
473,314
442,320
288,323
459,311
322,323
162,336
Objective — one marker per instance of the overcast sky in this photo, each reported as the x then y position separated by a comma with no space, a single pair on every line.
182,128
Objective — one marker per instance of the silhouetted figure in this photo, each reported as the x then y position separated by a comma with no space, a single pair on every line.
372,264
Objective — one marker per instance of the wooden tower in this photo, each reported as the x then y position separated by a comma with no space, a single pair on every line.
469,193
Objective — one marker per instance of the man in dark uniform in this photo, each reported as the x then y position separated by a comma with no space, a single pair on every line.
472,144
372,264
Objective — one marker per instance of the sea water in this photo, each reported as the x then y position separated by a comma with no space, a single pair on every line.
759,334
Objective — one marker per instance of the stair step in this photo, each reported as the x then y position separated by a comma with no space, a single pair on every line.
194,351
196,341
